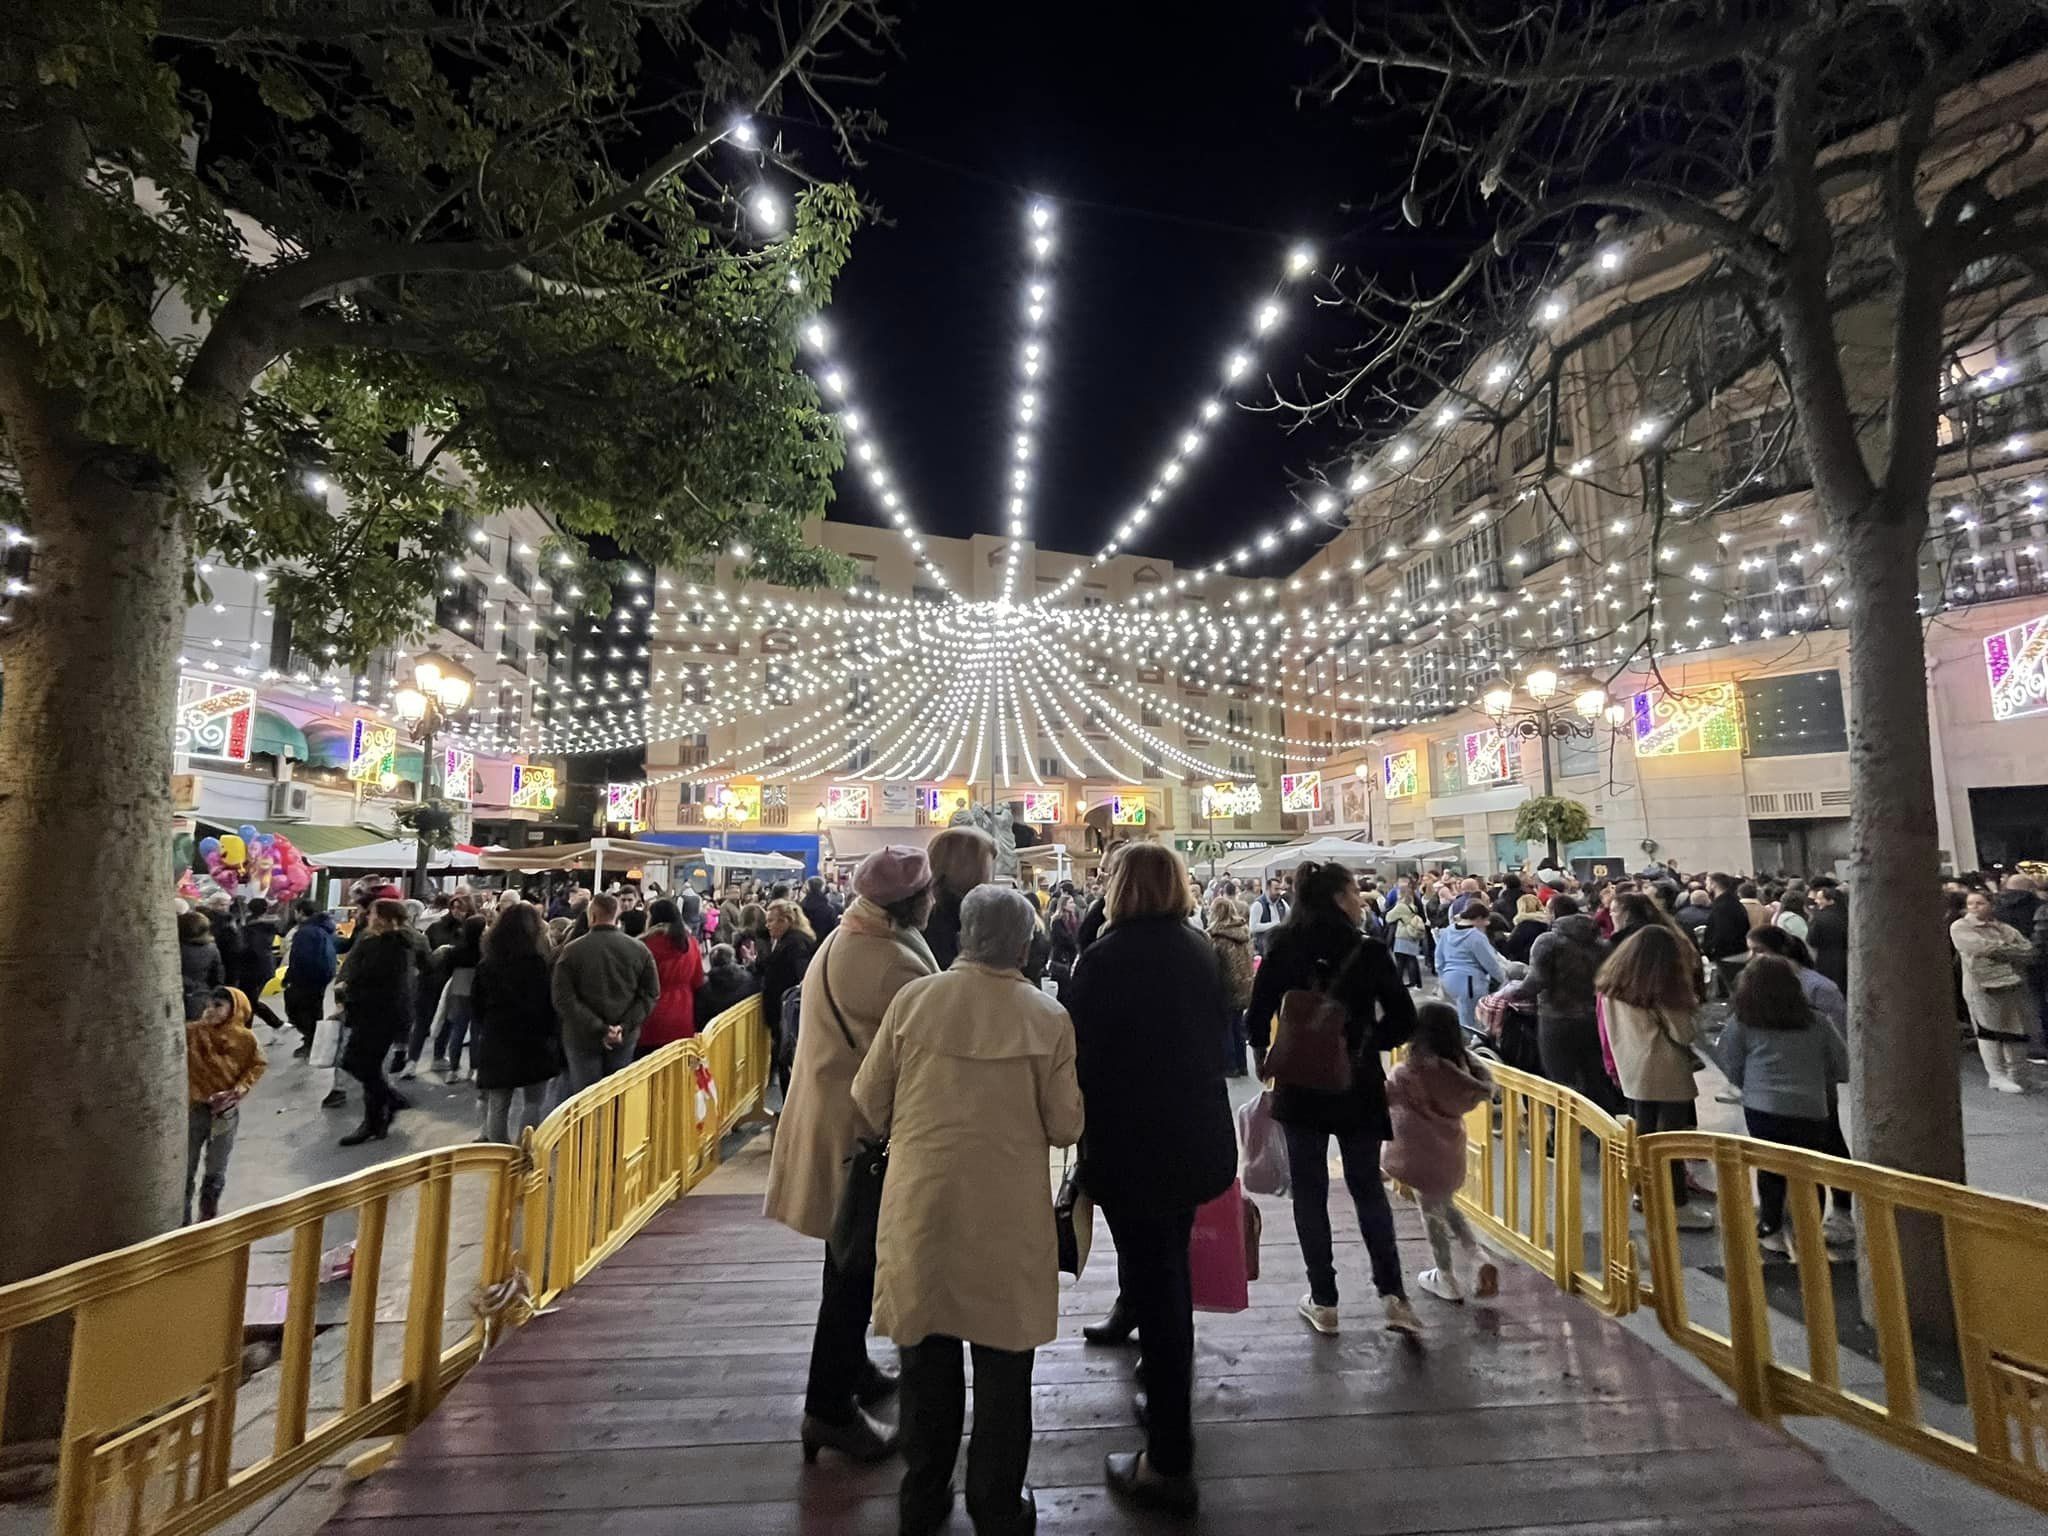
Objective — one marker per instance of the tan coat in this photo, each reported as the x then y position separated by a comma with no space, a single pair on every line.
866,962
973,1078
1651,1051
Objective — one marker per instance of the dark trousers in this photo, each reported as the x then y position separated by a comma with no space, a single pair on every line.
1410,969
1570,1048
1236,1044
1653,1115
1152,1270
839,1345
934,1408
380,1099
1791,1131
302,1007
1308,1167
1838,1146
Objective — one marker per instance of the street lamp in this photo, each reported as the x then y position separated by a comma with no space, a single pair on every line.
441,686
1545,719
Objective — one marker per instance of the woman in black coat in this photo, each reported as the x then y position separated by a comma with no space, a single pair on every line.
1148,1006
1827,934
517,1041
1319,948
781,968
378,986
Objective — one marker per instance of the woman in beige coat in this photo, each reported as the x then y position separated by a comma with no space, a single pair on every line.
1649,992
1995,959
972,1077
855,975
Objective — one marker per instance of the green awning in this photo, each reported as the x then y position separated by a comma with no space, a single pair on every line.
307,838
276,735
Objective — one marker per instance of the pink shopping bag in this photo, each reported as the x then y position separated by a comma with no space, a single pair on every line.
1216,1254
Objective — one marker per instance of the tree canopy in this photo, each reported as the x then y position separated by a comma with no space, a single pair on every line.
326,271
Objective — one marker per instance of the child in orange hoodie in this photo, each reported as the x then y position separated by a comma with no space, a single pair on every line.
222,1063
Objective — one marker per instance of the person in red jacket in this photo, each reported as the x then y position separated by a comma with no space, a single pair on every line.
679,963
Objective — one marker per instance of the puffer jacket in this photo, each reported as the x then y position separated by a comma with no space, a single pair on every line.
1562,965
1429,1098
1231,938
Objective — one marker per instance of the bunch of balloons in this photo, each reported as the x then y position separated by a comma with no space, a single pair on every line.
250,863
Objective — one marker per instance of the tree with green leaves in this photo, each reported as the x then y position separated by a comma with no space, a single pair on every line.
1552,820
300,285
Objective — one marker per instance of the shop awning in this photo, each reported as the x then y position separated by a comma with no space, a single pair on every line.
276,735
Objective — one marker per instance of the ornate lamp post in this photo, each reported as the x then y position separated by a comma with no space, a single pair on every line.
1547,717
441,686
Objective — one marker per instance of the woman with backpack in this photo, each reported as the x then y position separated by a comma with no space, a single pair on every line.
1319,949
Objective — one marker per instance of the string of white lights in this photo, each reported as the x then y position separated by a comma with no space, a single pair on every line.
1238,365
1032,364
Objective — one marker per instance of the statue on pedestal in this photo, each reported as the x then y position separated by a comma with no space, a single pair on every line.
1000,825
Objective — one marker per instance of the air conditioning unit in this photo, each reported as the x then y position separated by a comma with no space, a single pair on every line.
291,802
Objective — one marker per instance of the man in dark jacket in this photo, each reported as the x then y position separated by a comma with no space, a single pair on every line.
308,969
818,909
1562,965
605,985
1726,933
379,986
1827,933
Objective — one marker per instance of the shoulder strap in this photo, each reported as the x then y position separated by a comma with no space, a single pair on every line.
824,966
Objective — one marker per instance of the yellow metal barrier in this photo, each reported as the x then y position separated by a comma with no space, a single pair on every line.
1525,1188
1994,1248
603,1164
156,1345
155,1332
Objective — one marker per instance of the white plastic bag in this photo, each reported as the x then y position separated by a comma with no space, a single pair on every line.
1265,1148
326,1044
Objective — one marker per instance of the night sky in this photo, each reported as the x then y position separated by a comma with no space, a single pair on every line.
1181,169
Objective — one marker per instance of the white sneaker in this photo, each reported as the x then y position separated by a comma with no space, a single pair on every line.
1779,1241
2008,1084
1401,1317
1322,1319
1440,1284
1694,1217
410,1069
1839,1230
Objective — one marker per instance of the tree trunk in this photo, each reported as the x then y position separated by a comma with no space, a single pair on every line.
91,1043
1905,1096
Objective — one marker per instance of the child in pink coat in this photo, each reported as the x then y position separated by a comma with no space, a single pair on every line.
1430,1092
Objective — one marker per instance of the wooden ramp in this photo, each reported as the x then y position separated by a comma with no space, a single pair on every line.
662,1397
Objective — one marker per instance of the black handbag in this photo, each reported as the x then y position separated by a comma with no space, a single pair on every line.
1073,1218
851,1244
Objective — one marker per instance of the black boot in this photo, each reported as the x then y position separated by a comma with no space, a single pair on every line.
877,1384
1116,1328
369,1130
1131,1474
860,1437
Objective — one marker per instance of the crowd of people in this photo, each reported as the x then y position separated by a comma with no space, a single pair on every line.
976,1028
527,995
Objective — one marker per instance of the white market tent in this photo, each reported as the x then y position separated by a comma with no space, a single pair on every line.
397,855
724,859
619,852
1322,850
1426,848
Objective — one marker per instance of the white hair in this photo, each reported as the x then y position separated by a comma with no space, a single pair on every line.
996,925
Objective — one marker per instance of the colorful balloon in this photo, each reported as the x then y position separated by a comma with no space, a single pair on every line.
233,849
209,845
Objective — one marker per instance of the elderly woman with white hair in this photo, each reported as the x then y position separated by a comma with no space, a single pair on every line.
972,1078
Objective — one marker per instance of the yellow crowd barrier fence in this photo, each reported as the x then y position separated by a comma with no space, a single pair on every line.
149,1443
1992,1251
1525,1186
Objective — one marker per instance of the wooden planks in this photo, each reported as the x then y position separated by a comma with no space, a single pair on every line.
662,1396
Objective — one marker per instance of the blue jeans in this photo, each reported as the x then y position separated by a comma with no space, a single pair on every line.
1308,1165
454,1030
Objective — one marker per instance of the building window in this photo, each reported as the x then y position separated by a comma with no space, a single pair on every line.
1764,456
865,579
519,573
1423,580
1795,715
461,607
1775,590
1577,756
1475,563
